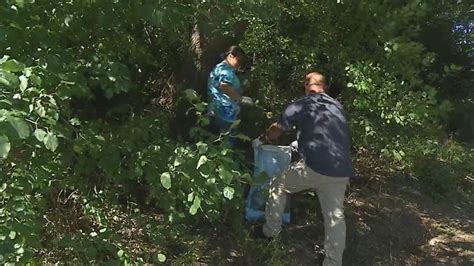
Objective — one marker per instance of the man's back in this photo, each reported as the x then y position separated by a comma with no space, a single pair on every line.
323,135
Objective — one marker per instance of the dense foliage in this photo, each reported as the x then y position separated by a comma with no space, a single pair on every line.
101,103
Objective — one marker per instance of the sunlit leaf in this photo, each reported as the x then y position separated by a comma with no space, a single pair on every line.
165,180
196,205
8,79
51,142
190,94
202,160
202,147
13,66
161,257
4,146
23,82
120,253
229,192
39,134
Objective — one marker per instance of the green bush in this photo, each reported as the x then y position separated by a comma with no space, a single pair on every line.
443,168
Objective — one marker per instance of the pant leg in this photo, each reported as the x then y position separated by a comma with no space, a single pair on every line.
219,125
296,178
331,197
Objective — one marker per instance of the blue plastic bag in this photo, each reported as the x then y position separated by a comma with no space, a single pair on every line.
272,160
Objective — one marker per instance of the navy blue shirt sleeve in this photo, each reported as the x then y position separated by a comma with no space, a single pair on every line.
290,116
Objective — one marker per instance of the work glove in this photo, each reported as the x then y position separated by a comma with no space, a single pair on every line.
247,101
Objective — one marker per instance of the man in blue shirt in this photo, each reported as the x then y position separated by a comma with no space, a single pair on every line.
323,142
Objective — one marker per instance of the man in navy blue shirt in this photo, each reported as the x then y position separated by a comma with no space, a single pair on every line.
323,142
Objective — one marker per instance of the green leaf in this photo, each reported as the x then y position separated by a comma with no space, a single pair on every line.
20,251
397,155
12,235
8,79
243,137
23,83
35,79
190,196
178,161
229,192
4,59
4,146
51,142
120,253
21,127
166,180
161,257
196,204
39,134
202,160
225,175
190,94
202,147
13,66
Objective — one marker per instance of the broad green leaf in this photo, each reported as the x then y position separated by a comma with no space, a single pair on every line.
166,180
12,235
190,196
23,83
201,107
40,110
4,146
5,101
35,80
202,147
39,134
178,161
229,192
21,127
190,94
51,141
196,204
4,59
120,253
13,66
225,175
202,160
397,155
8,79
161,257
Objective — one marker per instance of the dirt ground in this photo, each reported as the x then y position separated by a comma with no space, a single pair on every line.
391,220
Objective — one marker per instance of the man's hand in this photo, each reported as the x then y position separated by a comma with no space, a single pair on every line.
272,133
247,101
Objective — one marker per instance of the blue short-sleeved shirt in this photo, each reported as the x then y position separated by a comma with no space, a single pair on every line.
220,103
323,134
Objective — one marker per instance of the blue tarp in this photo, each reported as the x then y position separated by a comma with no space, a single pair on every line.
272,160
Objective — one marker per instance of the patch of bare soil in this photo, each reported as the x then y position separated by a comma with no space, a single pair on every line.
391,220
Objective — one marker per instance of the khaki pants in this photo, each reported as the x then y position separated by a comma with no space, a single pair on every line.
330,190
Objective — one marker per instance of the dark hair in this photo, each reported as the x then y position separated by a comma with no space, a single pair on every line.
235,50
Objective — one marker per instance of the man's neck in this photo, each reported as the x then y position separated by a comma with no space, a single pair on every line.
315,92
